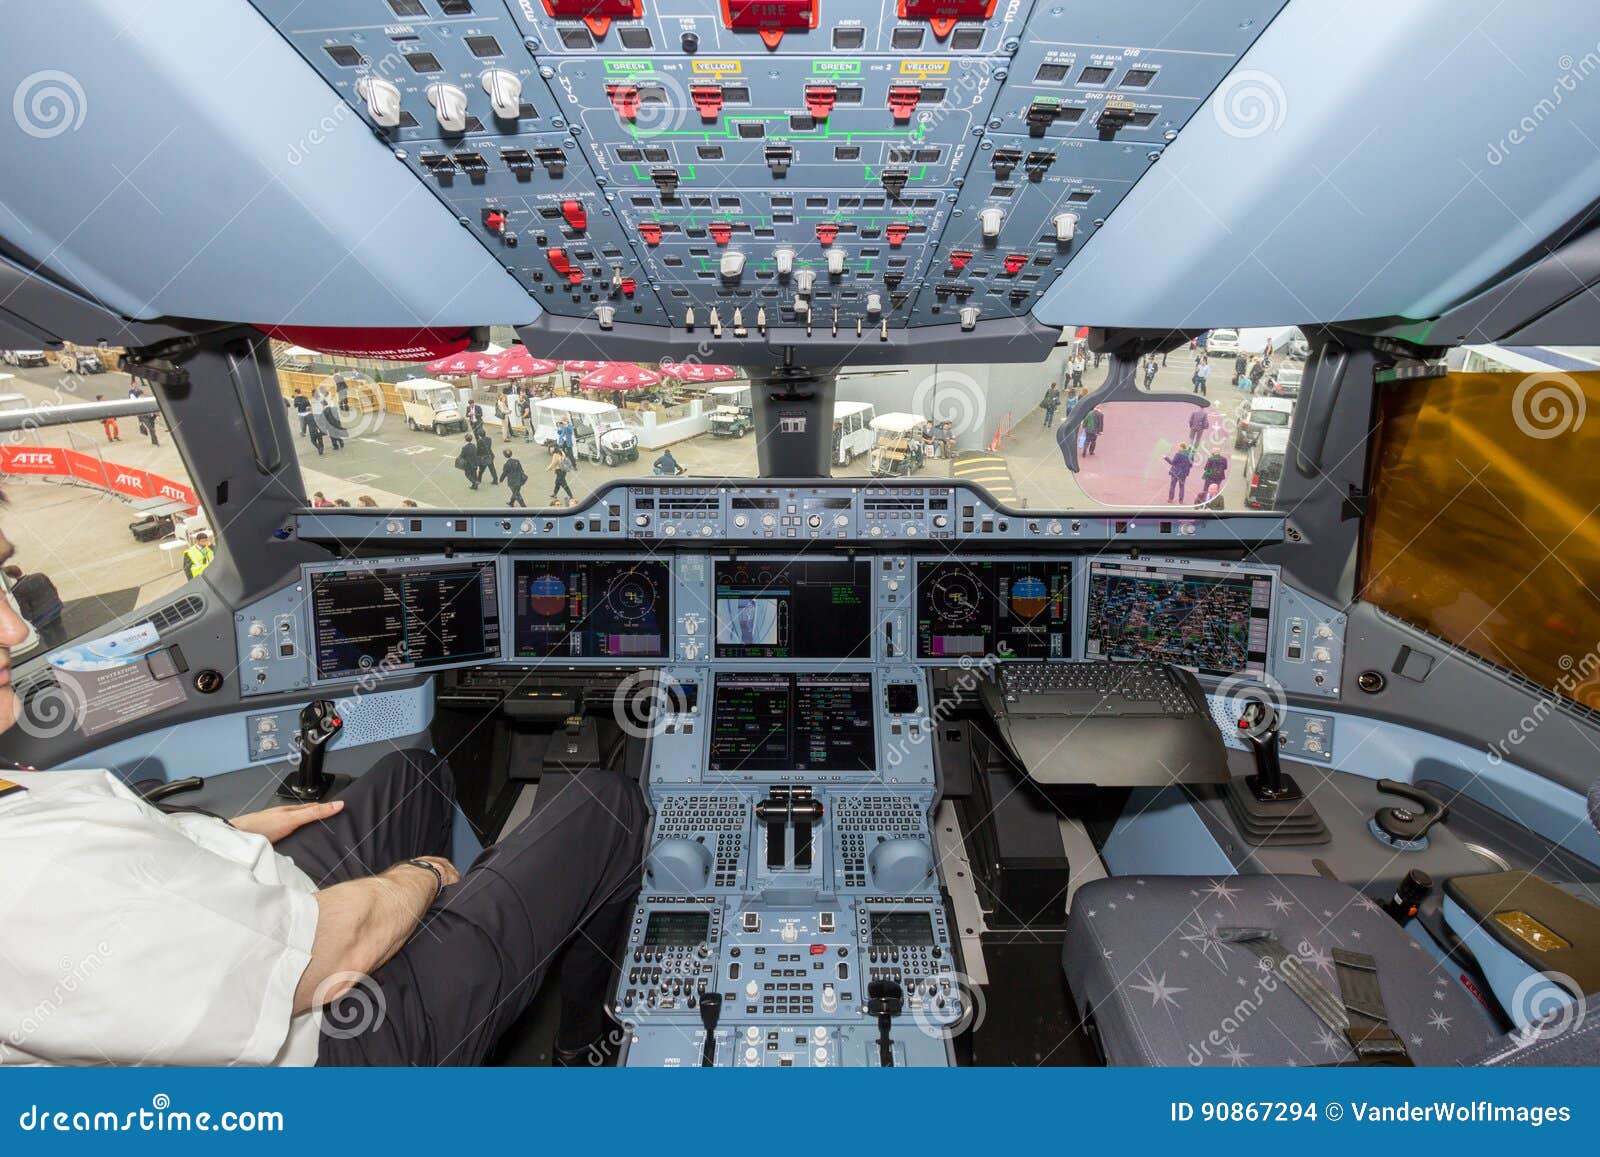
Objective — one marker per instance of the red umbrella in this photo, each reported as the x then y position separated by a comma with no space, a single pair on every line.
624,376
517,362
582,367
461,364
698,372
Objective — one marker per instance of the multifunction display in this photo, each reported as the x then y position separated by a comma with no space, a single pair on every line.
1213,623
589,609
809,722
793,609
1012,609
397,618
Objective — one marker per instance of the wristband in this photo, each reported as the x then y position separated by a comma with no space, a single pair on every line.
438,876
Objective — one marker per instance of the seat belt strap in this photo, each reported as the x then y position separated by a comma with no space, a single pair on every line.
1327,1007
1368,1032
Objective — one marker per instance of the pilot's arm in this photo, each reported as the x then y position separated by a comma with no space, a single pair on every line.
136,937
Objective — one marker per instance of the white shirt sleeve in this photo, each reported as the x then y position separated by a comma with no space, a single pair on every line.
134,937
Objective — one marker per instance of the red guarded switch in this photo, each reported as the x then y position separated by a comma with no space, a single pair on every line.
1015,262
628,286
597,14
651,232
942,15
896,234
959,258
495,222
903,100
770,19
625,99
820,99
708,99
827,232
560,262
818,949
721,232
572,210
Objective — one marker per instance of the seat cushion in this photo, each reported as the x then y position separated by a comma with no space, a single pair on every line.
1143,959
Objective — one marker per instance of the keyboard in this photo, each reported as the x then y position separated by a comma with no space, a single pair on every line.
1097,688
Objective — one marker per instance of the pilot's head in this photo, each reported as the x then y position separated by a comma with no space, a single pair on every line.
13,633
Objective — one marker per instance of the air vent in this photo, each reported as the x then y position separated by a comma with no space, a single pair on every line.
186,608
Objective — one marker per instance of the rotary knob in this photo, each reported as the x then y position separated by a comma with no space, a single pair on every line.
505,93
383,100
449,103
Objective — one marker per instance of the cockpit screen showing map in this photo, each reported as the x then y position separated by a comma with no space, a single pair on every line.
1010,609
1215,624
588,609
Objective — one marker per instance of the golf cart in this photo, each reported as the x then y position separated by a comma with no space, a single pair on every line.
599,431
897,448
430,404
732,416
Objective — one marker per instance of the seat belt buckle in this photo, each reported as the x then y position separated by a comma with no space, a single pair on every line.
1378,1045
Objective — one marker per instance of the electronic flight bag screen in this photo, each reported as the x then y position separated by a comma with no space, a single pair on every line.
590,609
1216,624
793,609
1011,609
401,618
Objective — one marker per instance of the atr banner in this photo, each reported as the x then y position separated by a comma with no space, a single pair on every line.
127,481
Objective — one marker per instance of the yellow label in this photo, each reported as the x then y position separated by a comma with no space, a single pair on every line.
925,67
717,67
1528,930
7,787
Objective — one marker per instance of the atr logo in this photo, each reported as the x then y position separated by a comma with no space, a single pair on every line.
134,481
177,492
33,458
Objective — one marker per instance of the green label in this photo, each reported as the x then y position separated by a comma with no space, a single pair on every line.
836,66
616,66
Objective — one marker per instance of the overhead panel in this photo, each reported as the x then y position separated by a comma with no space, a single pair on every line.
776,172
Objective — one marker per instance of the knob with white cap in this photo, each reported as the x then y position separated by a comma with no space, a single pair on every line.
731,264
803,281
785,259
802,306
836,260
383,99
874,304
450,106
990,219
1066,225
505,93
606,315
969,316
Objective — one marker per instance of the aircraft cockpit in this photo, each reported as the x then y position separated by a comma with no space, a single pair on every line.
936,533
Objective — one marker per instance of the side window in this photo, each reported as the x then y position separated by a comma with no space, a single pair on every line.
102,514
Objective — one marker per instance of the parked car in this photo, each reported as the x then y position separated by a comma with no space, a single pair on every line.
80,361
1222,341
1284,382
1267,413
24,357
1264,467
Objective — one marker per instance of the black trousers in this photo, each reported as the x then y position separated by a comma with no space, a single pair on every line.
565,878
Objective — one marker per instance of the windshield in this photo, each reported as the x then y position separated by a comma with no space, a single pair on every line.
1179,440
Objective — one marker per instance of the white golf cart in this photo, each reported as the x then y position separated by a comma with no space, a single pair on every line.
732,415
430,404
897,449
599,432
853,434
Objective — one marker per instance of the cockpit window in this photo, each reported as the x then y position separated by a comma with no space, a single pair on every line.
389,434
102,513
1481,529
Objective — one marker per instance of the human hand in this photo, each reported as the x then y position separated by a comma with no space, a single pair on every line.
276,823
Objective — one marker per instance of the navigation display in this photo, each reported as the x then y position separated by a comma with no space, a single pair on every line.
1216,624
399,618
797,722
800,609
590,609
1010,609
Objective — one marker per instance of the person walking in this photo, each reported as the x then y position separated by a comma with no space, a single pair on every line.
330,418
1212,475
109,425
302,408
567,439
1079,363
39,602
317,440
1202,374
198,555
1093,422
486,456
475,418
1198,418
1179,464
467,461
515,477
527,415
1051,403
558,467
1149,372
342,389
